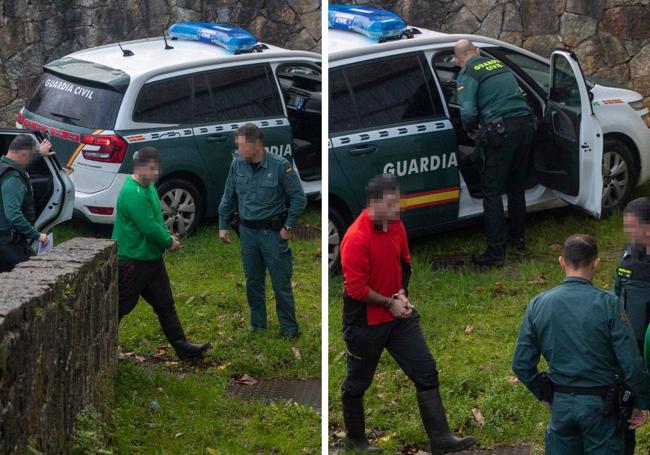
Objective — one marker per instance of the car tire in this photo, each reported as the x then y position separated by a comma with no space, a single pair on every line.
181,204
336,229
619,175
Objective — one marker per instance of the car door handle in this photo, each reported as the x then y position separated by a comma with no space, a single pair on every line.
364,150
217,138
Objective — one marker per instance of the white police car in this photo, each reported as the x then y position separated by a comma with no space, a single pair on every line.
392,109
186,96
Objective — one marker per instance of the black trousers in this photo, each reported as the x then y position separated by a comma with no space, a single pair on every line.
404,341
506,171
148,279
12,254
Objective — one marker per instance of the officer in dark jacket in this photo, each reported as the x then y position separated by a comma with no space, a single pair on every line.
632,282
586,339
266,191
17,213
493,109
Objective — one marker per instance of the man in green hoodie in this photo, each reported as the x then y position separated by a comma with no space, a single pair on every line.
142,238
493,109
17,213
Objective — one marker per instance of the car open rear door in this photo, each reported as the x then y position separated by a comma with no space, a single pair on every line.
569,142
53,189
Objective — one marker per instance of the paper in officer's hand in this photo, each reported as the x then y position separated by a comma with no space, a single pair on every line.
44,249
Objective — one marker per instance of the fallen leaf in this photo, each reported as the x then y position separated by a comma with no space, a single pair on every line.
150,425
178,435
469,328
498,287
296,354
139,358
479,289
223,366
386,438
339,434
294,284
512,379
190,300
244,379
539,280
211,451
556,247
478,416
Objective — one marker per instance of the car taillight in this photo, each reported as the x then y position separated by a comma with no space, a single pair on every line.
100,210
20,118
112,149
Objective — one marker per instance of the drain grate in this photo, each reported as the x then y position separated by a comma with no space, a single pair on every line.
306,392
464,262
498,450
305,232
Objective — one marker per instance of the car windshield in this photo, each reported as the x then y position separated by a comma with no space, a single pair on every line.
71,101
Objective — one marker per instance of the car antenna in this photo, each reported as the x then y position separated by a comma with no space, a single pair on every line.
167,46
125,52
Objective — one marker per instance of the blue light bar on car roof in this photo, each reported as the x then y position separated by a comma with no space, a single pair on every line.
233,39
373,22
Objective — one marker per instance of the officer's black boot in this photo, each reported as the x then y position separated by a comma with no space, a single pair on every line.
487,258
441,440
518,242
355,425
174,332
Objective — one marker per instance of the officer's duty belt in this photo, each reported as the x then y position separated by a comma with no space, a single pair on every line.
274,223
598,391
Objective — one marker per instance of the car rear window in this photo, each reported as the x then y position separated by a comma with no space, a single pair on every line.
74,102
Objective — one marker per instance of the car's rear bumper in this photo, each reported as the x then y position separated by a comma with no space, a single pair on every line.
106,198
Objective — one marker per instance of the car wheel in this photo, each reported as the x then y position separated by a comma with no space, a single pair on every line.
181,205
335,231
619,175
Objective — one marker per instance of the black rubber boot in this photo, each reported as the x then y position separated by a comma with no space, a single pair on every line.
518,242
355,425
441,440
174,332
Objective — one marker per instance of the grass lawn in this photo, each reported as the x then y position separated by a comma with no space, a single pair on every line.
194,415
471,320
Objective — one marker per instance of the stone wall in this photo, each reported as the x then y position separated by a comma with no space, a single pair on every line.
58,343
35,32
610,37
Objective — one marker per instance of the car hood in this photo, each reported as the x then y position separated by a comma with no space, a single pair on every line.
602,93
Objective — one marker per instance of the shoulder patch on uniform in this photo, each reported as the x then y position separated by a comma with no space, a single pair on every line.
460,87
289,170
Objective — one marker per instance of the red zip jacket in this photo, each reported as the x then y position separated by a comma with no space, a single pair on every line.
374,260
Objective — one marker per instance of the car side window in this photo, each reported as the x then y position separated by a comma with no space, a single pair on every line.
166,101
343,114
393,90
564,89
237,93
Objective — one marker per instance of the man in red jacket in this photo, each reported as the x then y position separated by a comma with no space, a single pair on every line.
377,314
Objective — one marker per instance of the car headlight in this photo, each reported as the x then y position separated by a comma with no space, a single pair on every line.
637,105
646,119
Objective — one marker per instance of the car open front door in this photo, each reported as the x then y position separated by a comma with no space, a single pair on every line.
569,142
53,189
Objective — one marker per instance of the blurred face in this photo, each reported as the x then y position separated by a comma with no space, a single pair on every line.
386,209
22,157
249,150
460,58
636,231
148,172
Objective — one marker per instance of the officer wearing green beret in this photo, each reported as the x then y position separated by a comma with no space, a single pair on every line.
266,191
17,213
588,343
493,109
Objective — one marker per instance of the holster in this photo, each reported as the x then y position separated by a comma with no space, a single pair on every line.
493,133
547,387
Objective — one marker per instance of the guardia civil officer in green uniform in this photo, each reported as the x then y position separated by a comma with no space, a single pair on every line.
17,213
493,109
266,191
587,341
632,282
